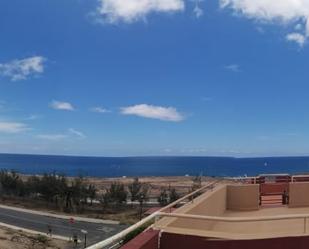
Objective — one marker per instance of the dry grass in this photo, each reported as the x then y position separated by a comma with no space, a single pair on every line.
19,240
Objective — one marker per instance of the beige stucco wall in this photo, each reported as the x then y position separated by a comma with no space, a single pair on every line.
210,204
299,194
214,205
243,197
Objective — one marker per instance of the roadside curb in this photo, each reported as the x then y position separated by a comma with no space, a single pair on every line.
33,232
60,216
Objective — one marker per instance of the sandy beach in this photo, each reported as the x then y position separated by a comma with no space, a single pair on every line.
182,184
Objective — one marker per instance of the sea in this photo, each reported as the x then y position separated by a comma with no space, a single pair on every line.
152,166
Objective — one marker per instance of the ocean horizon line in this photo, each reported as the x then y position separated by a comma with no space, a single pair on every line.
156,156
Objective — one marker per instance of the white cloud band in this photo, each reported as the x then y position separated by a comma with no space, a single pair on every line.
154,112
114,11
59,105
12,127
77,133
52,137
296,37
22,69
281,11
99,109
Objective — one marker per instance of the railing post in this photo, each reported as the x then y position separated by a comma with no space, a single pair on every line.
156,219
305,224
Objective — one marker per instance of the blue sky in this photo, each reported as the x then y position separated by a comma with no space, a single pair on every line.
154,77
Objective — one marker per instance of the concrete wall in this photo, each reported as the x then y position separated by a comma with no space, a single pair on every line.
232,197
299,194
212,204
243,197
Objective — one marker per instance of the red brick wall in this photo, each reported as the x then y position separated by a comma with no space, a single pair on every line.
146,240
273,188
176,241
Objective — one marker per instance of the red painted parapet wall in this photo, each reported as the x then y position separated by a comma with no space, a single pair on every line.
177,241
149,240
273,188
146,240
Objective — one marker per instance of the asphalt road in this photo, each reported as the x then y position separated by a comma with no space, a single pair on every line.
62,227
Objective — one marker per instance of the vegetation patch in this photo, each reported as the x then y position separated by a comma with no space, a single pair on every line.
136,232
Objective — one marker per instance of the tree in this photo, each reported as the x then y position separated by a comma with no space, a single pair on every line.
51,188
79,192
62,190
92,192
117,193
173,195
134,189
105,200
142,197
197,183
163,198
11,183
32,184
48,187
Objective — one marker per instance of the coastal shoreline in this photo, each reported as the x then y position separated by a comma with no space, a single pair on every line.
182,184
126,214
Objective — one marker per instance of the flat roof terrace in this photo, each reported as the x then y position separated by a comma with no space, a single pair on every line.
233,211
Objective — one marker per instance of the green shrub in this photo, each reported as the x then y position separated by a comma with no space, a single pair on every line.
135,232
42,239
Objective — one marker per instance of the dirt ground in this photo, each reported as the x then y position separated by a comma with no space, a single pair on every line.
126,214
182,184
10,239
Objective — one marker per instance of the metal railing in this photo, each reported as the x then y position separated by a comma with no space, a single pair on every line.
108,243
118,237
277,178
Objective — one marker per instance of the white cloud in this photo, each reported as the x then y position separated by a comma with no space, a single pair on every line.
23,68
99,109
197,11
59,105
12,127
52,137
280,11
77,133
113,11
33,117
154,112
233,67
60,136
296,37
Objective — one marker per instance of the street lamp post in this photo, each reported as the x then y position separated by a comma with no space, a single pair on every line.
85,234
141,206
